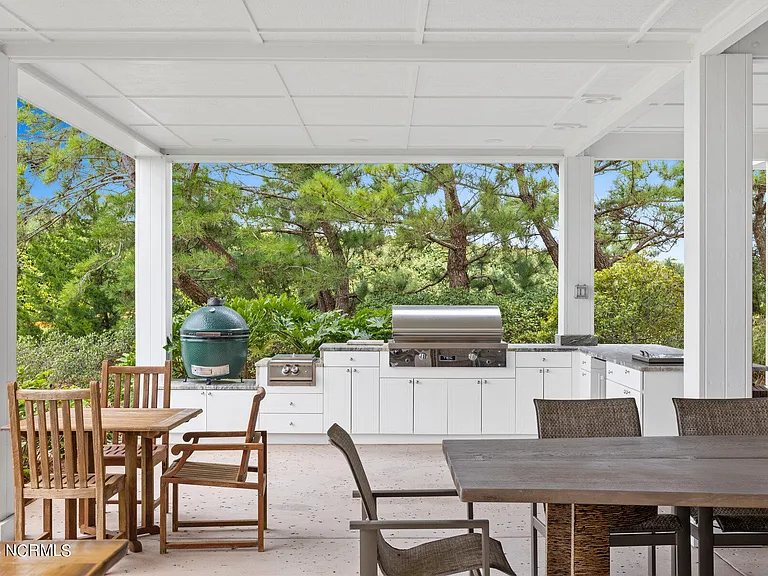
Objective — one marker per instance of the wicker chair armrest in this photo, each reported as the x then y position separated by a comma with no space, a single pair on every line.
478,524
192,435
419,493
241,446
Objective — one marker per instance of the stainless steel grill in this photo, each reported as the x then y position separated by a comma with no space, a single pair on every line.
447,336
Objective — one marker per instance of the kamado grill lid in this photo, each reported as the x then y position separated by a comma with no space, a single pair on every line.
214,321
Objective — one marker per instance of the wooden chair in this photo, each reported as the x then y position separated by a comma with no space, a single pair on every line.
612,417
186,471
59,450
135,387
739,527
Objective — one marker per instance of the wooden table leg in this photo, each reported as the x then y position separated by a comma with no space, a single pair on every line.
558,540
590,542
131,465
706,543
148,525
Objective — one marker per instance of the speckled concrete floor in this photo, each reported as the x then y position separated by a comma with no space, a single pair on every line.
310,507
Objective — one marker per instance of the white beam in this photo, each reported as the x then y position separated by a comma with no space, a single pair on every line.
638,146
576,256
153,276
731,26
718,238
651,21
8,210
50,95
358,156
629,109
755,43
575,52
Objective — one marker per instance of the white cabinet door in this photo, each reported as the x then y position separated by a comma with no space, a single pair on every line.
430,406
616,390
396,406
584,386
557,384
337,392
498,406
529,384
190,399
228,410
365,400
465,405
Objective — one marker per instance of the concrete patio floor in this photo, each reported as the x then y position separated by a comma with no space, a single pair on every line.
310,506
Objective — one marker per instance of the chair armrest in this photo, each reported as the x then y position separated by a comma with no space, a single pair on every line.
190,435
420,493
189,448
418,524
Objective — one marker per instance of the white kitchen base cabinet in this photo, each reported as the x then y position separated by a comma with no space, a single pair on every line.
465,406
396,406
529,384
557,384
189,399
337,392
430,406
365,400
498,406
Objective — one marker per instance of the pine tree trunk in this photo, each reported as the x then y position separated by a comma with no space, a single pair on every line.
527,197
192,289
457,267
342,299
758,222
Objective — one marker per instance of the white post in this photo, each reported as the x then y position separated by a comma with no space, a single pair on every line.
154,290
8,210
576,257
718,238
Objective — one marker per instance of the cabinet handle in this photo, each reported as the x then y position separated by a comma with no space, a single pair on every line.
479,381
417,382
202,393
627,392
610,371
291,424
541,370
543,358
209,394
351,359
583,361
547,370
485,381
348,370
583,373
291,404
626,371
354,369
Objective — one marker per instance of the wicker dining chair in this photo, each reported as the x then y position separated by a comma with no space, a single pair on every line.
472,552
58,448
613,417
728,417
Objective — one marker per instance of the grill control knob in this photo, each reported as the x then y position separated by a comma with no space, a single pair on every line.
295,369
285,370
422,355
472,356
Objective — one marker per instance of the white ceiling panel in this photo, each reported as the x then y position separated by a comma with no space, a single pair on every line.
590,14
191,78
558,80
336,14
587,114
224,136
359,136
552,138
242,34
335,36
485,111
159,135
472,137
78,78
122,109
692,13
760,117
347,79
354,111
760,88
110,14
539,35
660,117
618,80
223,111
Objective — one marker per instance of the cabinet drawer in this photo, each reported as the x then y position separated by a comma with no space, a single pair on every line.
292,423
615,390
292,404
585,362
543,359
350,358
625,376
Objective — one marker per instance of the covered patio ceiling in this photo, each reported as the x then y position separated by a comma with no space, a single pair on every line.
374,80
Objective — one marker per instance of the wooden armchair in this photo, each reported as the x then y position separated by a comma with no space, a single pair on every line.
59,449
214,474
136,387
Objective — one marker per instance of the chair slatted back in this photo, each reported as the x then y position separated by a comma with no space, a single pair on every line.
722,416
611,417
250,433
343,441
135,387
53,431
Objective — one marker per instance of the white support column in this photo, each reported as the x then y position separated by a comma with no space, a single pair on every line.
8,208
154,289
718,233
576,235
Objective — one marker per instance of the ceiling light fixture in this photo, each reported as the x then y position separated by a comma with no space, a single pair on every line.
222,140
358,140
494,140
596,98
567,126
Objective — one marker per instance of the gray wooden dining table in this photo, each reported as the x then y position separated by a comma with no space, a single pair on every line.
581,478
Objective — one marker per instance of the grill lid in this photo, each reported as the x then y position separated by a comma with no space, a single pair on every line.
435,324
214,321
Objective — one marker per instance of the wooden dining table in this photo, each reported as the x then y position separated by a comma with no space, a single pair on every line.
60,557
132,424
581,478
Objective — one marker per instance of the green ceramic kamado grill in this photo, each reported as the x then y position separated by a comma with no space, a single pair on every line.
214,342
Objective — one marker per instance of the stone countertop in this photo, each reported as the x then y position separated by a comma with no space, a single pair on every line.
352,347
617,353
215,385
